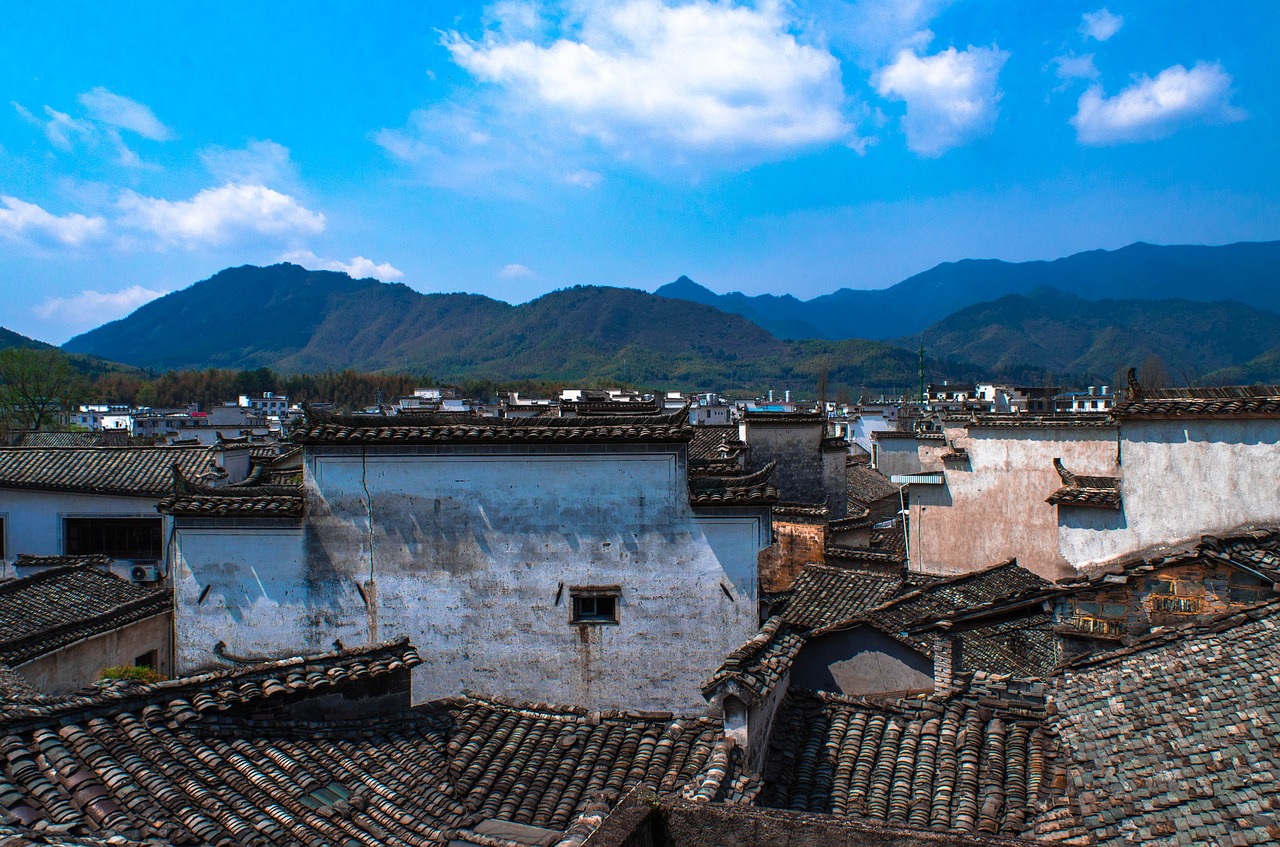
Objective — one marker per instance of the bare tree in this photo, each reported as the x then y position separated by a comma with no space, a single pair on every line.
36,386
1152,373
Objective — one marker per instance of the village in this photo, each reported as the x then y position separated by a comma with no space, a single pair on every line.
976,615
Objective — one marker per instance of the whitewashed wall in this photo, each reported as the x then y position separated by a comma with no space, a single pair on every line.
33,519
1181,479
465,552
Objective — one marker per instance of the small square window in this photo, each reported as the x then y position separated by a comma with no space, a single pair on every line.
595,606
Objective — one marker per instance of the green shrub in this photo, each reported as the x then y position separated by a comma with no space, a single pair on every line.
134,673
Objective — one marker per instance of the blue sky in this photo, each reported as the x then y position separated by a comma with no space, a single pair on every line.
519,147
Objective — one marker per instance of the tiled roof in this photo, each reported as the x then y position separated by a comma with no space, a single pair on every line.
955,454
800,510
918,435
1171,740
1023,646
947,765
843,553
861,520
246,499
96,560
1095,491
78,438
611,407
133,471
1223,401
1041,421
865,485
823,594
784,418
753,489
714,441
44,612
196,761
360,429
758,666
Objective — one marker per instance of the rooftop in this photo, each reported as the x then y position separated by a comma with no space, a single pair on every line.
129,471
213,760
1170,740
48,610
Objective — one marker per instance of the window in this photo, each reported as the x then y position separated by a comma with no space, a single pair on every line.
596,605
146,660
120,538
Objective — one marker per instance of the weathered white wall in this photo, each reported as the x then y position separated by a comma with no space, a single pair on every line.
33,519
1181,479
860,661
895,456
264,598
993,508
465,552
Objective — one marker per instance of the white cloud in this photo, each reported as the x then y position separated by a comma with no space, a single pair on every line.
119,111
583,178
1155,108
1100,25
1076,67
91,308
106,115
880,29
258,162
515,272
27,220
217,215
951,97
359,267
701,76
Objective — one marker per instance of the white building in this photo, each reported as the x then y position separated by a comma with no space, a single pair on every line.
550,559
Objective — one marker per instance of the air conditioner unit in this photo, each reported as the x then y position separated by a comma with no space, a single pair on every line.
144,572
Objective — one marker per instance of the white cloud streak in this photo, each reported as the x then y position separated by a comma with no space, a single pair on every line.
218,215
91,308
1100,25
27,221
514,271
359,267
258,162
701,76
1151,109
117,110
952,97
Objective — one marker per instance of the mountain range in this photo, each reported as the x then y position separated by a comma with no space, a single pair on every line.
295,320
1248,272
1210,313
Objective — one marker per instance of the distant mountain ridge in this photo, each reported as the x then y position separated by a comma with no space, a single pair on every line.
292,319
1248,272
1096,339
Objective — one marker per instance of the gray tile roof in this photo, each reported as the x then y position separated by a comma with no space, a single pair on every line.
1171,740
753,489
865,485
78,438
42,613
823,594
1225,401
409,429
712,441
196,762
1078,490
947,765
756,668
131,471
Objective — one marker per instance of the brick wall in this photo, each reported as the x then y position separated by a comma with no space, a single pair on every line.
796,542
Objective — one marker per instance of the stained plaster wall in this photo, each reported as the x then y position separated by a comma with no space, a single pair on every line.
1181,478
897,456
473,554
77,665
248,584
861,660
802,474
33,519
993,508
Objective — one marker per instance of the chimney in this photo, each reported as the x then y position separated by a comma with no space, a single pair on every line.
770,395
946,662
1093,390
787,396
1106,389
